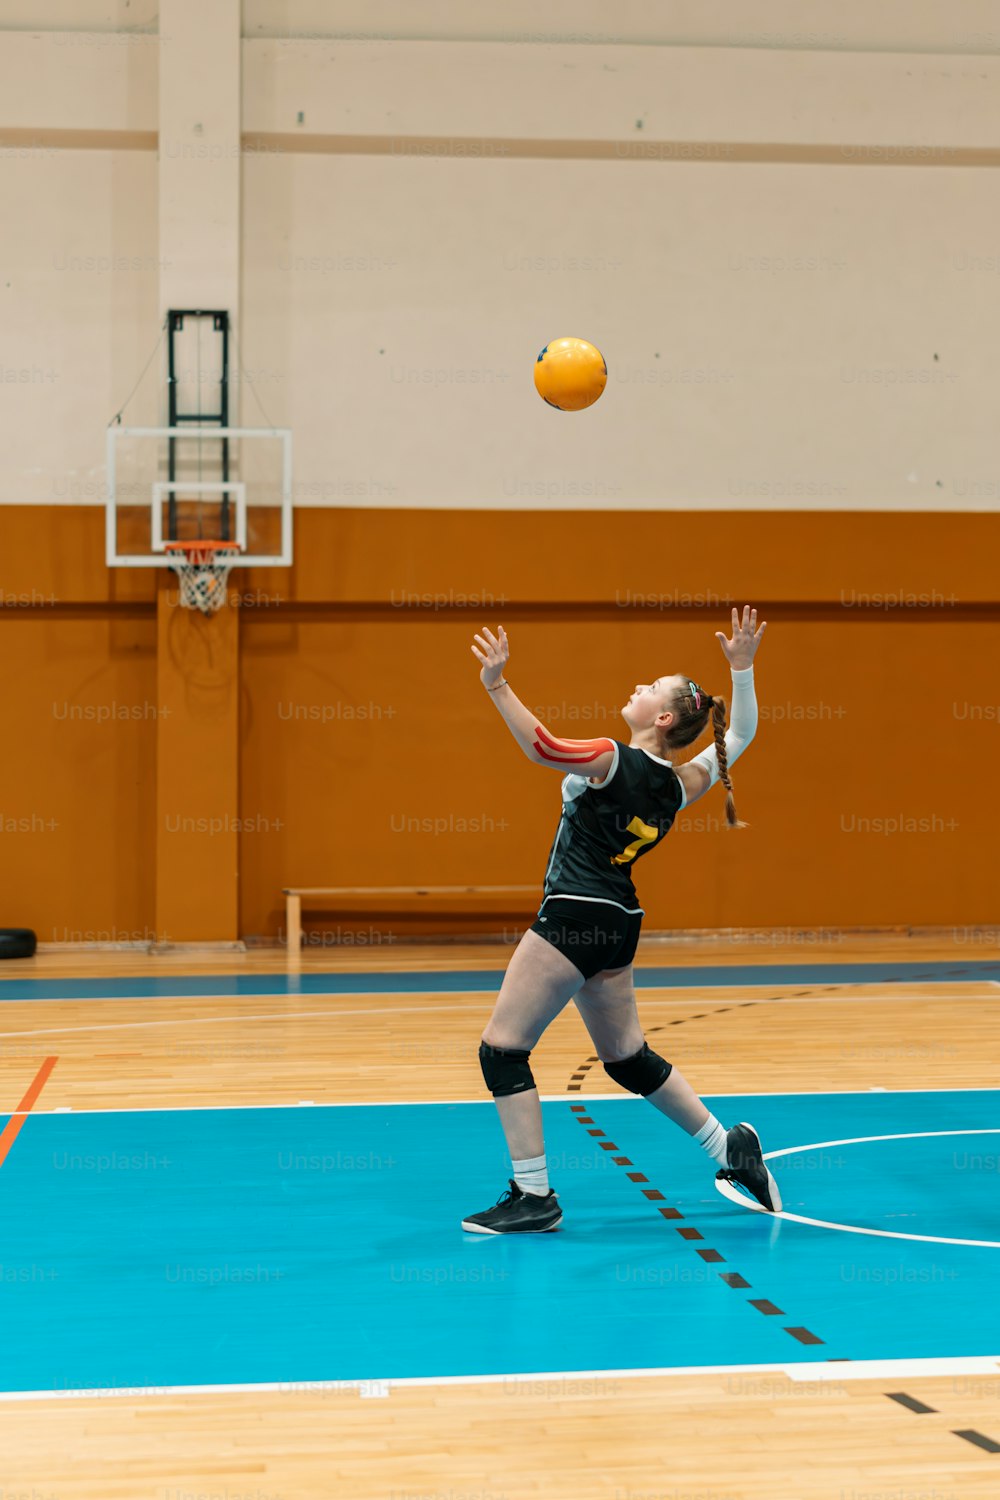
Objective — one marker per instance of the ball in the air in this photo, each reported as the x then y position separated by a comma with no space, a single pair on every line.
570,374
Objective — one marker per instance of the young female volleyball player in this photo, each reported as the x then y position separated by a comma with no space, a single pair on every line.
619,800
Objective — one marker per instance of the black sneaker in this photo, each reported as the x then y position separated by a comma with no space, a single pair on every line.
517,1213
748,1169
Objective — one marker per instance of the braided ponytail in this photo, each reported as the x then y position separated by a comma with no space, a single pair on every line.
692,720
718,708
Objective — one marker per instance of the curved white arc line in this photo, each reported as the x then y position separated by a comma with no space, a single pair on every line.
860,1140
887,1234
735,1196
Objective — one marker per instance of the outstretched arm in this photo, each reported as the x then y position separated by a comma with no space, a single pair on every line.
702,771
593,758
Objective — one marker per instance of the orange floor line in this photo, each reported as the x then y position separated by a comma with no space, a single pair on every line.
17,1119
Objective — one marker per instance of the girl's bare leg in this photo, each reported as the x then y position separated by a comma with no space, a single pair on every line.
538,984
607,1006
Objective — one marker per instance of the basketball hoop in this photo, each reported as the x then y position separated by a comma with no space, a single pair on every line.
202,570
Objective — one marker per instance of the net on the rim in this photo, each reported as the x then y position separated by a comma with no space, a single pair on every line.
202,570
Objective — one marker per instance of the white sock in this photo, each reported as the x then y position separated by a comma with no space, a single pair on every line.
532,1175
712,1138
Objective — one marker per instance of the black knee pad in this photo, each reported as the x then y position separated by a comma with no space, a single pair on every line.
642,1073
505,1069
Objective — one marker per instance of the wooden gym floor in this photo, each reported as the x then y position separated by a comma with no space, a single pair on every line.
621,1436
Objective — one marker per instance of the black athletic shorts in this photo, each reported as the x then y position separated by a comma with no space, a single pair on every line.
593,935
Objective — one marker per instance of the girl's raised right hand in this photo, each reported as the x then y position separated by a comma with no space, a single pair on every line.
742,648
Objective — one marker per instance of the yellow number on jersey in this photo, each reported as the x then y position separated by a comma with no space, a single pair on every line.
646,835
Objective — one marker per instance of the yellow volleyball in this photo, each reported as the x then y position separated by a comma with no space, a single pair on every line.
570,374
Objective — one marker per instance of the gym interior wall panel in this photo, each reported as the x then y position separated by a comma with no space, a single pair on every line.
80,316
778,336
78,774
370,754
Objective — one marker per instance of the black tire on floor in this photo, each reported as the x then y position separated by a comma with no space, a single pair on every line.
17,942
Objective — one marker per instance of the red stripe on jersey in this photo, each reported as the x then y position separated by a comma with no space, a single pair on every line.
569,752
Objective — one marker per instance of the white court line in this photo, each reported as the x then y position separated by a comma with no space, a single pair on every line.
407,1010
602,1099
835,1372
277,1015
728,1191
389,994
860,1140
977,1088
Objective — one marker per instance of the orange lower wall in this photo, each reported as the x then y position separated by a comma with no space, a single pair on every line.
78,775
425,783
369,753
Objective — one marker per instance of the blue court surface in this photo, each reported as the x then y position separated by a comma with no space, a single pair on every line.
150,1249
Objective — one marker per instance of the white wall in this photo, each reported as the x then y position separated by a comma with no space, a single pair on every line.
753,319
769,261
626,96
958,26
971,26
107,16
80,313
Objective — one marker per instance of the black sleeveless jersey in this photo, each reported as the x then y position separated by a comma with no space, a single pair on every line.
604,829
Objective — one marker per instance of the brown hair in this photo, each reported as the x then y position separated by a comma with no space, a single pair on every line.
691,721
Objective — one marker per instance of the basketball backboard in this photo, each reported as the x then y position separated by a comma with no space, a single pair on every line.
170,484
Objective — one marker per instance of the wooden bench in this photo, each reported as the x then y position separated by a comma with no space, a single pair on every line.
346,898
